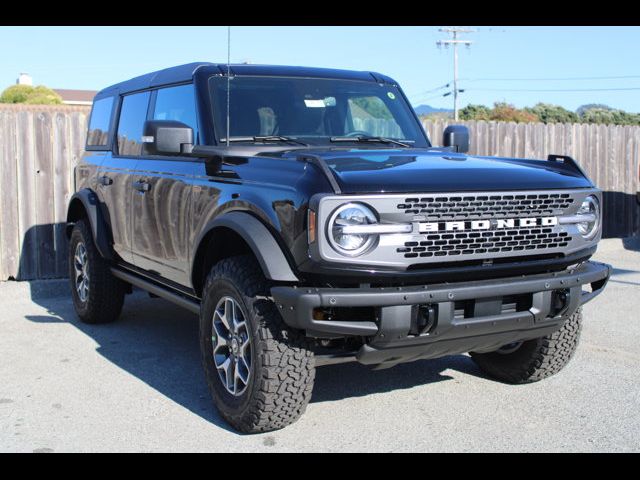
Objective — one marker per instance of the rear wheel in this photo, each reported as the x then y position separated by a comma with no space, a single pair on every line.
533,360
97,295
259,371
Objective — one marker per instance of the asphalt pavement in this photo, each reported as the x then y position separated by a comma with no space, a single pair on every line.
137,385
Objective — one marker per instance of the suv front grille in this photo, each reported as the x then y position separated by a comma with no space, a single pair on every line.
492,241
459,227
486,206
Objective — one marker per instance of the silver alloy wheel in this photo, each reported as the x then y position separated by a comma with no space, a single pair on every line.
81,267
231,345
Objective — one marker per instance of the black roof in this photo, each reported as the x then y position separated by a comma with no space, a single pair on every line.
184,73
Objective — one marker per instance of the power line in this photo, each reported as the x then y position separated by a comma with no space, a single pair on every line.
429,98
553,89
423,98
453,32
617,77
446,85
419,96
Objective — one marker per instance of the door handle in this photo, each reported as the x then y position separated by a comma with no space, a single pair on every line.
142,186
104,180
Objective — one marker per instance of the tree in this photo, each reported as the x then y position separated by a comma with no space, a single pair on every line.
475,112
549,113
505,112
39,95
609,116
583,108
597,115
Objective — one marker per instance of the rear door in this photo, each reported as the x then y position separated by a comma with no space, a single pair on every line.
162,212
116,175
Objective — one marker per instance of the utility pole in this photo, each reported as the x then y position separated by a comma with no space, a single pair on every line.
453,32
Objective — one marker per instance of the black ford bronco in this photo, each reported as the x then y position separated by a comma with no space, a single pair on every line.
307,219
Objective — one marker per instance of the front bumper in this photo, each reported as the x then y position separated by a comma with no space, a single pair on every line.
486,322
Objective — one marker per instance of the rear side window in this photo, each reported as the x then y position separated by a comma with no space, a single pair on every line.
98,134
133,114
177,103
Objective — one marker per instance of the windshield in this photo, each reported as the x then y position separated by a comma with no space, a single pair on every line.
314,111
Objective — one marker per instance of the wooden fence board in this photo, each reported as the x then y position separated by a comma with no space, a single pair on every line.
44,194
9,239
61,189
26,196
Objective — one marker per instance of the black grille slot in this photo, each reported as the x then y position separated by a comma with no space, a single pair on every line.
448,244
479,207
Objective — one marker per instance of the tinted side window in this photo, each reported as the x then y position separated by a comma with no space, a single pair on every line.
98,134
177,103
132,117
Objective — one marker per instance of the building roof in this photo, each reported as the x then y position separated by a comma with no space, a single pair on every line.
76,97
184,73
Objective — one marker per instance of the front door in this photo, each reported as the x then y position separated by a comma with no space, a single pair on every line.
162,200
161,218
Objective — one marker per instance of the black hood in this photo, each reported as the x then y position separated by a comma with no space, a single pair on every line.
425,170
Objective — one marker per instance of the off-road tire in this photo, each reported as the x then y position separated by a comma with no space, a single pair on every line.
282,364
535,359
106,292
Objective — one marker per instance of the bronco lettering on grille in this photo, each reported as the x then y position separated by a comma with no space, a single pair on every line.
488,224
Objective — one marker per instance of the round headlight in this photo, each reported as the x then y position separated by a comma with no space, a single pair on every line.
351,214
590,208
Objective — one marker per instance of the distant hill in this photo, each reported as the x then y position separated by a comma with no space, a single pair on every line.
428,109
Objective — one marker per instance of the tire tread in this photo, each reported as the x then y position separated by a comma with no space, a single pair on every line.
106,292
536,359
286,380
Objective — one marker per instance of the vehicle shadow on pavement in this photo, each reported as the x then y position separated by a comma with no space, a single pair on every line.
336,382
157,342
153,340
618,276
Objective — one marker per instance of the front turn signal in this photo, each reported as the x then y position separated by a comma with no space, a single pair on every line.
311,227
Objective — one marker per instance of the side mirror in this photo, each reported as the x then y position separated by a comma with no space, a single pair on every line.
456,136
167,137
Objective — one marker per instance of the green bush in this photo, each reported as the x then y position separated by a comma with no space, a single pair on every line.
475,112
505,112
39,95
501,112
609,116
549,113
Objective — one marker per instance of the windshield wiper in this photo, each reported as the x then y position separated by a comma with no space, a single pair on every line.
265,138
369,138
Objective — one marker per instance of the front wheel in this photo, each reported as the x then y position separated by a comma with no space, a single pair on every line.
259,371
533,360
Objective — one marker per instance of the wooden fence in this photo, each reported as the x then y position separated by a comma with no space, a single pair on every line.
40,145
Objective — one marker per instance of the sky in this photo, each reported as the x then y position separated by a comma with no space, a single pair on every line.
500,64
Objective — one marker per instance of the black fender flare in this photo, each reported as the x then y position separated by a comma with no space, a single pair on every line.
261,241
99,229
